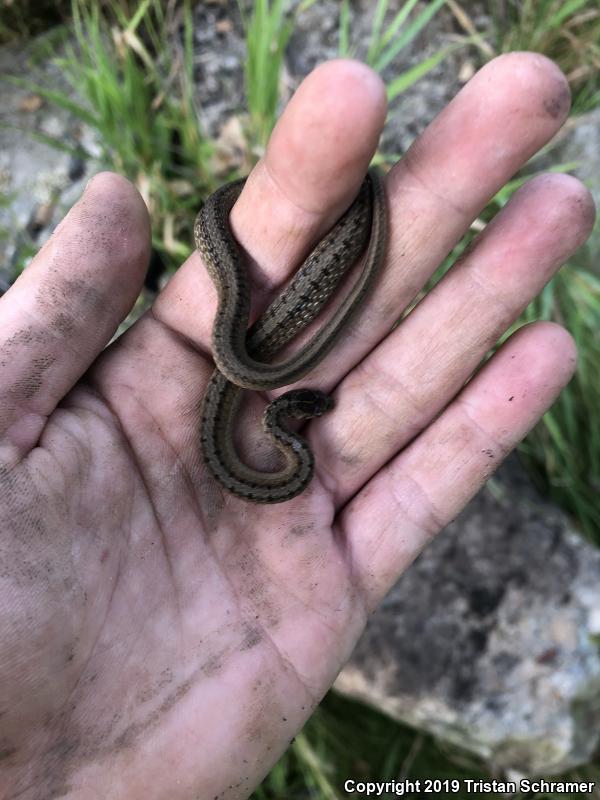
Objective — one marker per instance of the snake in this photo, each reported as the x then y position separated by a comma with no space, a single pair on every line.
243,355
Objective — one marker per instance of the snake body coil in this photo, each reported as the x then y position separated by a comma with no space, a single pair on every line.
243,357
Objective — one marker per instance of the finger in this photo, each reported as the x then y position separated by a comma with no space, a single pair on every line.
67,304
511,108
428,484
405,382
316,159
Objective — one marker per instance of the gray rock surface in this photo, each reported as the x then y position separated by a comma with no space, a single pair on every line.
490,640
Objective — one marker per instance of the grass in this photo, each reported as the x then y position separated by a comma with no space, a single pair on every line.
387,40
566,31
132,79
268,30
136,92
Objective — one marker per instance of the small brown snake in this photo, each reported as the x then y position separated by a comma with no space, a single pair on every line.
243,357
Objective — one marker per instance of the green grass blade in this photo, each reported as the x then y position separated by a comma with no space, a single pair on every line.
344,30
412,75
139,15
375,37
267,34
397,22
565,10
408,35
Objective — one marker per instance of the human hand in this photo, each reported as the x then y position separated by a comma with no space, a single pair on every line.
159,638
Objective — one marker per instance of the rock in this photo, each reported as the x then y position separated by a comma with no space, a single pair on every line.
490,640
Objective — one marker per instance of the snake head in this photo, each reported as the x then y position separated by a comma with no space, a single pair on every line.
307,403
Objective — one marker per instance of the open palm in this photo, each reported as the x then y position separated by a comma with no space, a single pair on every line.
158,637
